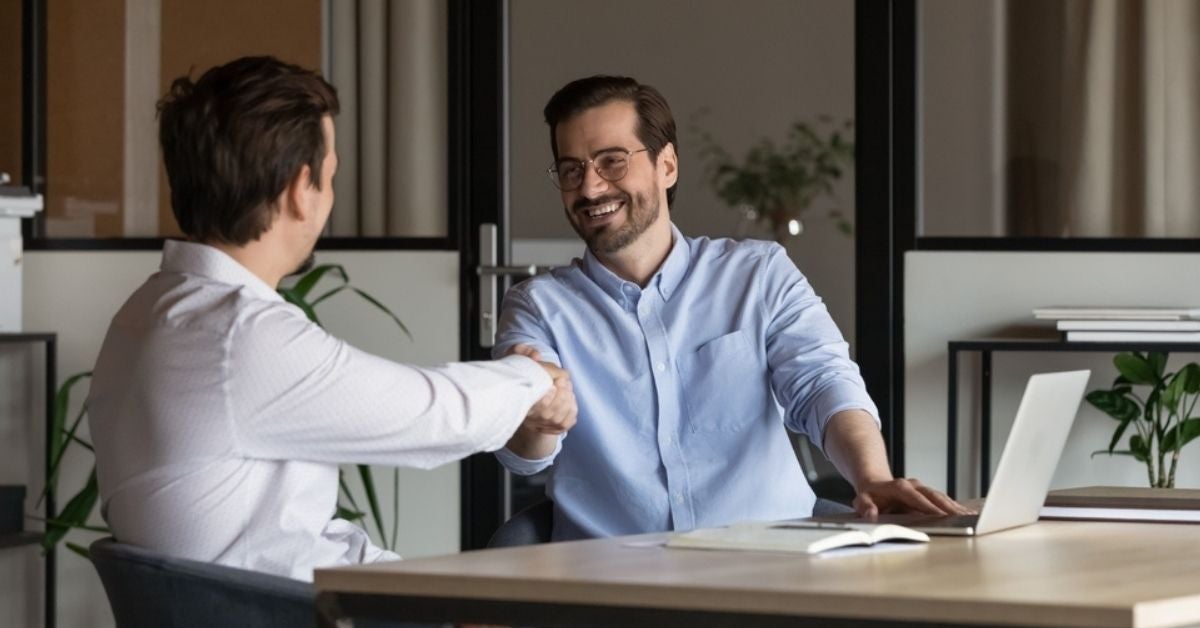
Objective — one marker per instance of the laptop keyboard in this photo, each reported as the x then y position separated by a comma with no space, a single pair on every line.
943,521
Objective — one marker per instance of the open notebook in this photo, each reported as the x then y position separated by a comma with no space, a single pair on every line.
803,537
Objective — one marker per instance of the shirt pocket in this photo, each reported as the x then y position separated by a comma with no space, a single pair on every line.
726,387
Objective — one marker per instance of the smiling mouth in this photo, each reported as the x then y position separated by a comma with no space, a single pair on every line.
599,211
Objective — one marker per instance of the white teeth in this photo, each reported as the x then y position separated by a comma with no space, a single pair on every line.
602,210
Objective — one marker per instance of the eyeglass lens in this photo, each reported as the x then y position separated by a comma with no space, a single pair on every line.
610,165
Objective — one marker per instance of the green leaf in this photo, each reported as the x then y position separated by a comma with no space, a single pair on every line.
395,508
1152,401
1191,374
317,301
1115,405
62,403
291,297
1174,390
74,514
306,283
1157,361
346,490
1181,434
1135,368
368,481
1119,432
59,438
383,308
79,549
1116,452
1139,448
348,514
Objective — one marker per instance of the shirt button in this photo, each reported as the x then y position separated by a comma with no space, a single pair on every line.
661,366
667,440
679,498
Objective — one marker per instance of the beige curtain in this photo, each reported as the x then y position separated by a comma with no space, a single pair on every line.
1104,118
388,62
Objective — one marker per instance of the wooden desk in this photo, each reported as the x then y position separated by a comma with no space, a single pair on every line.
1050,573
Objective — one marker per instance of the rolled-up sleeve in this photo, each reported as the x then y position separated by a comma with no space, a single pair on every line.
812,374
525,466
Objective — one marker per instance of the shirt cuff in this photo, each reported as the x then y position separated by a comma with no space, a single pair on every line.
525,466
539,379
839,397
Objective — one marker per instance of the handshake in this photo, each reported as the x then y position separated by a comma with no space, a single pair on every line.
553,415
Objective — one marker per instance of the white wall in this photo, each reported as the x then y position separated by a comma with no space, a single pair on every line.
964,295
756,66
75,295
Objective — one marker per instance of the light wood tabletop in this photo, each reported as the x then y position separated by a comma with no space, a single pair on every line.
1061,573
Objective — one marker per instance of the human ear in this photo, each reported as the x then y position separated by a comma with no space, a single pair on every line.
668,165
299,194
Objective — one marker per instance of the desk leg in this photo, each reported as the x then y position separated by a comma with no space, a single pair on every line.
952,426
985,423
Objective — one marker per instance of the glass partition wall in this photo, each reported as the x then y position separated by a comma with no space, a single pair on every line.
109,61
1059,118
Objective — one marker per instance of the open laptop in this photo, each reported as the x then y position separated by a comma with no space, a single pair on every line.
1039,433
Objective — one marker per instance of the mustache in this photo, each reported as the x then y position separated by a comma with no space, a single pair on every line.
584,203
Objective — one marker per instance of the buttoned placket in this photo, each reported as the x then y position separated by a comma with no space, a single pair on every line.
647,305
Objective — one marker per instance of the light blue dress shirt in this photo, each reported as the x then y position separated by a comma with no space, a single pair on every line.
685,387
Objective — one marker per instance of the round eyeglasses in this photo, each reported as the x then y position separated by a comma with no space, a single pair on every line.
612,165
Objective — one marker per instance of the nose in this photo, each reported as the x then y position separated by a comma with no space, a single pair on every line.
593,184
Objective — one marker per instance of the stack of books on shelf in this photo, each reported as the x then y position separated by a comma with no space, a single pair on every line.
1124,324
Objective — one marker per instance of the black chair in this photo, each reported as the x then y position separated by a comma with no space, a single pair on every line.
528,527
533,524
146,589
149,590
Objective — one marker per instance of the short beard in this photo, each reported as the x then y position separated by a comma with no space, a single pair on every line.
640,216
305,266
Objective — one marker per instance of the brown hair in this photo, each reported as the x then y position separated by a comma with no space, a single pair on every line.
656,125
233,141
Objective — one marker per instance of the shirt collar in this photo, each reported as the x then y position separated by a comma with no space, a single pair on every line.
201,260
666,280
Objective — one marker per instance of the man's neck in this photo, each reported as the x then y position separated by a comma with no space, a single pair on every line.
643,257
256,258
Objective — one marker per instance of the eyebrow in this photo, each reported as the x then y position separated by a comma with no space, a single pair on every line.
563,158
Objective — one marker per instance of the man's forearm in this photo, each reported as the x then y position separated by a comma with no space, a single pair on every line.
855,446
532,445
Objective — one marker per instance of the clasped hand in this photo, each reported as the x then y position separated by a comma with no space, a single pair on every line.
555,413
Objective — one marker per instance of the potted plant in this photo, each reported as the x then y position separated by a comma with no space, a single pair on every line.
79,508
1162,418
774,184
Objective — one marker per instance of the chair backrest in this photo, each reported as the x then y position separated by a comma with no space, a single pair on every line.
528,527
146,589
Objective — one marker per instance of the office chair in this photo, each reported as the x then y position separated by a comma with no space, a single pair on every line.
150,590
146,589
528,527
533,524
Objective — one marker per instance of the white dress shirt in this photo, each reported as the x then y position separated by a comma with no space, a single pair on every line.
220,414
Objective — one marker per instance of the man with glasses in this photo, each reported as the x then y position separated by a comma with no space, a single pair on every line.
691,357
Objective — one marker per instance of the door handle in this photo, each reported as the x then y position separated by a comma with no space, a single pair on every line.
488,272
